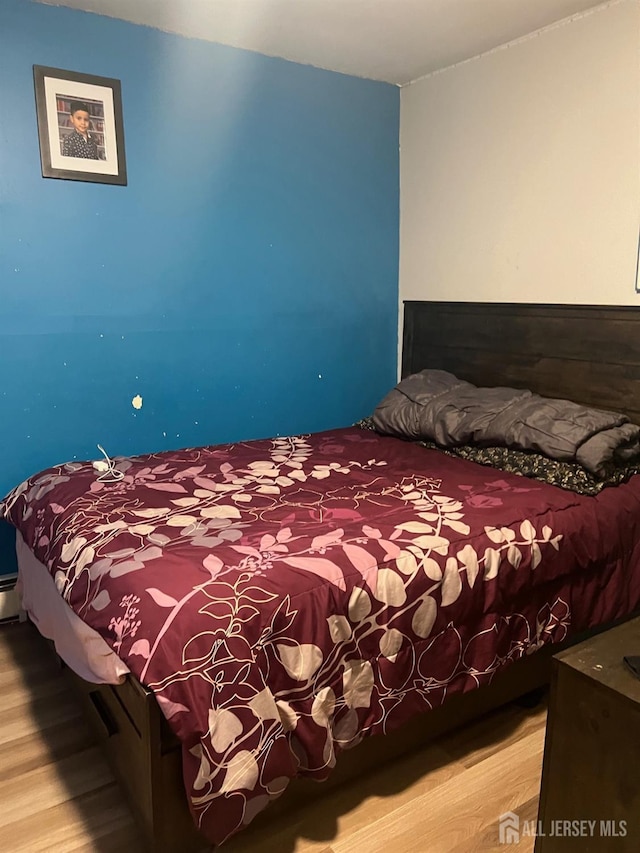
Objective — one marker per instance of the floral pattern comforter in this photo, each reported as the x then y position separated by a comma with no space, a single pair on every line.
285,598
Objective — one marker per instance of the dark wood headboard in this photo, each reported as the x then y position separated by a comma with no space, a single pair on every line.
586,353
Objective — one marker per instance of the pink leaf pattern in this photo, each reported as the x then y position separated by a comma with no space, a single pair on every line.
141,647
308,587
169,708
319,566
161,598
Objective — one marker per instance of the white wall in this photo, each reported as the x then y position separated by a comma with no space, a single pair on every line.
520,169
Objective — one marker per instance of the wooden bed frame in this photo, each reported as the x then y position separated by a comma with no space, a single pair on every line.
585,353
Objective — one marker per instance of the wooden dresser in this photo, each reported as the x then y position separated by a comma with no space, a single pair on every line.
590,796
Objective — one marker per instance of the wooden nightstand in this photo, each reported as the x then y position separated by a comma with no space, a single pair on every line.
591,770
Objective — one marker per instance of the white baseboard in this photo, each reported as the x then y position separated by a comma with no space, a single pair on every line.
9,601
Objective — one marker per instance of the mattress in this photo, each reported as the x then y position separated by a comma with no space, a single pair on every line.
286,598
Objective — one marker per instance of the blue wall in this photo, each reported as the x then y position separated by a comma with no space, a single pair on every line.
244,283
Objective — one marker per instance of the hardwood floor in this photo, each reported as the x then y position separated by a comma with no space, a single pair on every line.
57,792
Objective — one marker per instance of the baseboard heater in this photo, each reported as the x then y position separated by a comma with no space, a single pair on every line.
9,601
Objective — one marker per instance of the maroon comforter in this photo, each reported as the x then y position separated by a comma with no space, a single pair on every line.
286,597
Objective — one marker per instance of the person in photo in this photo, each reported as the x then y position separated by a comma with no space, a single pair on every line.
80,143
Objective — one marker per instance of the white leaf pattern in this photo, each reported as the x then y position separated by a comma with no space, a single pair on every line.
469,559
264,706
242,773
494,534
424,617
390,589
359,605
224,728
432,569
288,717
346,728
323,706
491,563
390,643
357,683
514,555
527,531
451,582
339,628
406,563
300,660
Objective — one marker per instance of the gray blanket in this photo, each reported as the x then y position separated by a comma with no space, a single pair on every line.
436,406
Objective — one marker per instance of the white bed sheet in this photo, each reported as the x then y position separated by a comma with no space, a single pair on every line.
79,646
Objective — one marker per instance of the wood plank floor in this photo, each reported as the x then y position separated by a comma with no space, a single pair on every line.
57,792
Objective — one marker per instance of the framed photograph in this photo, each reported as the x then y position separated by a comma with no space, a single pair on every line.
80,126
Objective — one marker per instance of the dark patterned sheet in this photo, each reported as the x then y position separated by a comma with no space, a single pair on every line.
285,598
566,475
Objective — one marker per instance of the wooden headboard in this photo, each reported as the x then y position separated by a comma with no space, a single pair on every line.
586,353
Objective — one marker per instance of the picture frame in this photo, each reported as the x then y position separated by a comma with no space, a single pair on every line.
80,126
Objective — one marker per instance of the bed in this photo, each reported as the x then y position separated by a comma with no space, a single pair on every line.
260,609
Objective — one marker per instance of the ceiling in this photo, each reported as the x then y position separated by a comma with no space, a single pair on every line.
392,40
